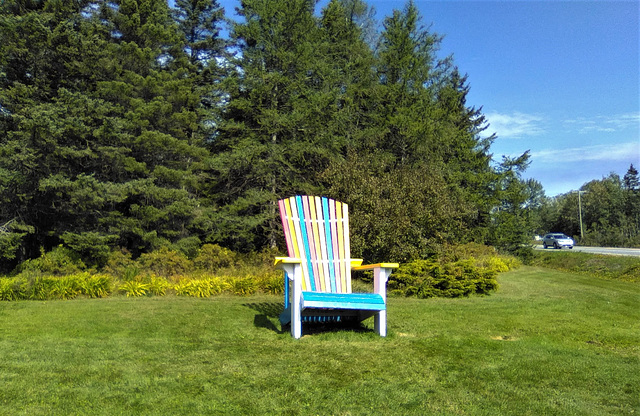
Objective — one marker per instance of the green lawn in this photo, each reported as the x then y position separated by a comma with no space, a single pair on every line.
547,343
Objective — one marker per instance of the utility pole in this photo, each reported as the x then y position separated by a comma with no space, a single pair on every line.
580,212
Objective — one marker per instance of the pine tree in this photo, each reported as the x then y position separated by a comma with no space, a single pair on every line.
409,73
512,223
465,152
632,180
200,23
39,46
272,140
106,154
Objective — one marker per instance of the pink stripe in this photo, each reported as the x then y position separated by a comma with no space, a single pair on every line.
285,227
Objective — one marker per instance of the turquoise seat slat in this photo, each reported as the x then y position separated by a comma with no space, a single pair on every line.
303,231
360,301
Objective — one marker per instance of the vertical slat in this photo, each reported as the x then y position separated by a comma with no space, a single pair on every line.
327,228
316,241
299,242
343,259
347,245
334,244
294,252
287,239
323,244
313,265
307,268
285,227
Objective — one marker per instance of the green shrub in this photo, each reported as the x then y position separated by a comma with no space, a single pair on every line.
165,262
200,288
496,264
57,262
271,283
189,246
66,287
526,254
93,246
430,278
242,286
450,253
9,289
38,287
134,288
118,262
157,285
213,257
97,286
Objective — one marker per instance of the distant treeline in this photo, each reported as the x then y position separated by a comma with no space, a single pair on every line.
610,210
129,124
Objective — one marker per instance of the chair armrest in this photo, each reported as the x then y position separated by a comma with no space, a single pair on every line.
281,261
376,266
381,272
356,262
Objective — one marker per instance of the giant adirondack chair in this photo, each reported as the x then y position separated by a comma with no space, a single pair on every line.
318,269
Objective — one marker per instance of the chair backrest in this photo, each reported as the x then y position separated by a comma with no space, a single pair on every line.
317,232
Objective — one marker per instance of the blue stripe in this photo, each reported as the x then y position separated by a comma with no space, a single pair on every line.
327,228
303,230
359,301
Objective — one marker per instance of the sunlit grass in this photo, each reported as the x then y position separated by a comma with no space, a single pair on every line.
547,343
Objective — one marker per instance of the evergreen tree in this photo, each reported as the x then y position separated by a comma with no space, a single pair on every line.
408,72
105,150
272,140
39,46
631,180
200,23
512,223
466,153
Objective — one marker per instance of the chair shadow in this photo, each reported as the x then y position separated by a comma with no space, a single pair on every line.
267,311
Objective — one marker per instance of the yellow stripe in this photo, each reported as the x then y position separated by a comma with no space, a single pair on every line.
292,230
342,258
306,282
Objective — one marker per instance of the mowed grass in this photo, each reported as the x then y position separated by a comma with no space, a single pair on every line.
547,343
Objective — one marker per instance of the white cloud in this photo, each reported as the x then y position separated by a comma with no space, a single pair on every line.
623,152
605,124
514,125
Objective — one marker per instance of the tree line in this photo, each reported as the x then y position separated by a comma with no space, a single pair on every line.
130,124
610,211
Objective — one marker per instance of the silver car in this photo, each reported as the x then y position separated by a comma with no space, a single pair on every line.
557,240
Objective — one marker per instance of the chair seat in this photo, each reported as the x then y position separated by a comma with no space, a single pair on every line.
359,301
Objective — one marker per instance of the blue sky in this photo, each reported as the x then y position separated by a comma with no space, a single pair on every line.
558,78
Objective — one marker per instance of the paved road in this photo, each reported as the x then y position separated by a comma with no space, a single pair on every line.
602,250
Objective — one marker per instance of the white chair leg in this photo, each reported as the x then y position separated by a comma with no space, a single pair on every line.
296,320
380,277
380,323
296,303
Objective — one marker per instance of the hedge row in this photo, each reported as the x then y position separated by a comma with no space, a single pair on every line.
102,285
60,274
